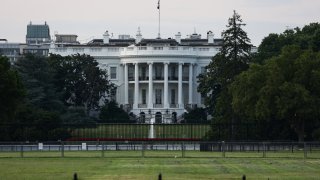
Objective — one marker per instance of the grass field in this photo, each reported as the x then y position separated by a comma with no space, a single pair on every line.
36,165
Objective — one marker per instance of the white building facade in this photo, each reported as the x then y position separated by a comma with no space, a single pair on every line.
154,77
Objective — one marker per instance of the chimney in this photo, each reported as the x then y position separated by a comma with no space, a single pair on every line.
210,37
178,37
138,36
106,38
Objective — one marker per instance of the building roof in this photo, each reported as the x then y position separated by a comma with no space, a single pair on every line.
112,42
144,42
171,42
38,31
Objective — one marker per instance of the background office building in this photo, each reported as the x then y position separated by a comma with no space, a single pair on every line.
38,39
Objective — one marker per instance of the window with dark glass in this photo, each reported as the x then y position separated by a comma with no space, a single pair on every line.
158,96
144,96
131,73
158,72
113,72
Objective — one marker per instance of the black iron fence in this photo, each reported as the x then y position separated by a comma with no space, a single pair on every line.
138,132
171,149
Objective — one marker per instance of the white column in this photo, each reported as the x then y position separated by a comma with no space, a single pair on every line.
180,103
190,84
166,86
126,84
136,85
150,99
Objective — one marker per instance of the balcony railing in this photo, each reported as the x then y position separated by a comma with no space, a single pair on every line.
142,106
157,105
174,105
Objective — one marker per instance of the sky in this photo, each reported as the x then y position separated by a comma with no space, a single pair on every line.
91,18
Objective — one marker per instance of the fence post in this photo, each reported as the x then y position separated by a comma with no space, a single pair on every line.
182,149
264,150
21,150
62,149
305,150
142,149
223,149
102,150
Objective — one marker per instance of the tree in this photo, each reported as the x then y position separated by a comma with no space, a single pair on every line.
11,96
37,78
306,38
81,80
111,113
285,88
233,58
197,115
11,91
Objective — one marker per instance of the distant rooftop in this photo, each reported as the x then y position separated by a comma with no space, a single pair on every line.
38,31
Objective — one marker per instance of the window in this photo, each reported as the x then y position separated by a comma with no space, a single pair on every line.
113,72
130,96
185,73
158,72
173,73
143,73
157,48
173,96
131,73
144,96
158,96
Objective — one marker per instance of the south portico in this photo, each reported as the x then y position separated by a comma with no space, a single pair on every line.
165,94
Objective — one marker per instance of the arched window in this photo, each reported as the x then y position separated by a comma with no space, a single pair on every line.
174,117
142,117
158,117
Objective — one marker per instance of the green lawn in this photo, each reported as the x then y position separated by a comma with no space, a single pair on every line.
113,166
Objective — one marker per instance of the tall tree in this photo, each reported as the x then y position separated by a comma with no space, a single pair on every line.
233,58
37,78
81,80
306,38
286,88
11,91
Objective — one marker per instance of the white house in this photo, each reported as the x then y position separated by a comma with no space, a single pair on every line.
154,77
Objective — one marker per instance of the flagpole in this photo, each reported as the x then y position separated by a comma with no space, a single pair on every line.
159,20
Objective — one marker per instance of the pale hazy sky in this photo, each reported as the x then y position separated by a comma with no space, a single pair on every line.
90,18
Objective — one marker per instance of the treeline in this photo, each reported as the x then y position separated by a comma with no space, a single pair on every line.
277,88
40,95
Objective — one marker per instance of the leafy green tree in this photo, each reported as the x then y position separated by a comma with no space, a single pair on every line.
286,89
37,78
306,38
11,91
12,94
233,58
111,113
80,79
197,115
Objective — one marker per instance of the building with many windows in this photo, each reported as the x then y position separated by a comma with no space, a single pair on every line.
38,39
155,78
12,50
